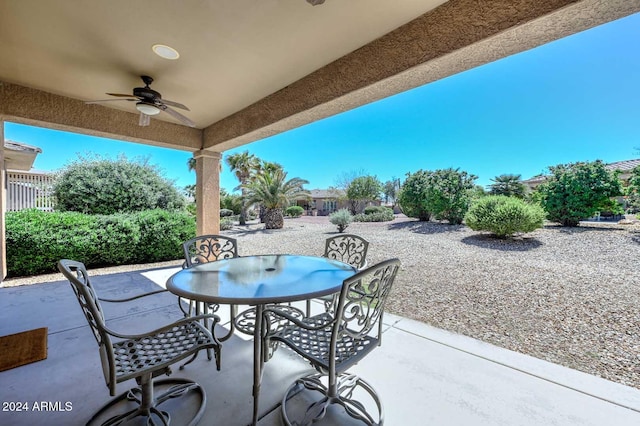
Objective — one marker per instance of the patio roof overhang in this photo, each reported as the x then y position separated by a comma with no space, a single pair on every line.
249,70
338,56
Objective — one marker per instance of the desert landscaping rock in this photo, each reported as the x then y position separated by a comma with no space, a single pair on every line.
567,295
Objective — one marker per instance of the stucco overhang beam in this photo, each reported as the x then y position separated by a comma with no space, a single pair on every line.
457,36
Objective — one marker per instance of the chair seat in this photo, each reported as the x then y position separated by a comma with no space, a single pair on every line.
151,352
315,344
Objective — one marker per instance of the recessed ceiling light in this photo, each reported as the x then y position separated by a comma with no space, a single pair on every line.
165,51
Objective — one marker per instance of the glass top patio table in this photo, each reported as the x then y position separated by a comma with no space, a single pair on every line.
260,280
256,280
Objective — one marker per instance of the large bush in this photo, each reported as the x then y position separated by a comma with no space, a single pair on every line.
577,191
504,216
414,194
294,211
633,191
445,194
37,240
102,186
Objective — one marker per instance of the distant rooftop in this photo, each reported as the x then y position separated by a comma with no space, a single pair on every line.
622,166
326,193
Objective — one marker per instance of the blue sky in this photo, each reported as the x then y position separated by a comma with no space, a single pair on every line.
576,99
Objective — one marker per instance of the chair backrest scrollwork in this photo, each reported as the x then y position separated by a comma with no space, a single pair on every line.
208,248
347,248
362,299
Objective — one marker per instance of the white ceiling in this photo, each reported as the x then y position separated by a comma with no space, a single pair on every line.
233,52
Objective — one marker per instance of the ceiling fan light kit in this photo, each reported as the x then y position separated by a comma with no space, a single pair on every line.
148,109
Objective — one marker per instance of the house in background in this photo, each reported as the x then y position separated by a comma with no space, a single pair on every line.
323,202
625,168
26,188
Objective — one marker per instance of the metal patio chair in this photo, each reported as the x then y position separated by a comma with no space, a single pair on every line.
204,249
333,342
142,357
346,248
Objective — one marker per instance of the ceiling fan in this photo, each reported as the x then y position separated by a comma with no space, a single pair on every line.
149,102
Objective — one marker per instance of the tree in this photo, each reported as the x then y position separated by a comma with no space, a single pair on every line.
633,190
272,189
244,165
450,194
445,194
97,185
230,201
576,191
390,189
414,194
509,185
362,190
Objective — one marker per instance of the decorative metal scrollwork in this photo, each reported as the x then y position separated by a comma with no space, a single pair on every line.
347,248
208,248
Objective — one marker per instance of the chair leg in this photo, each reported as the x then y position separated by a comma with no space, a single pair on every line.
148,405
341,394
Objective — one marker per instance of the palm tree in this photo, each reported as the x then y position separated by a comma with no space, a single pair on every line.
272,189
507,184
244,165
266,166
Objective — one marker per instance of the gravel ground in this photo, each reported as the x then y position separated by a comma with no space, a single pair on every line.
569,296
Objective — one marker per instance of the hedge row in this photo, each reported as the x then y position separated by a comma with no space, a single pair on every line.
37,240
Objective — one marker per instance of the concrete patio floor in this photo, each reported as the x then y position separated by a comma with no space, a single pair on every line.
424,375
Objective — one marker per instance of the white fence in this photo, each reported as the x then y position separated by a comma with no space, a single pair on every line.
29,190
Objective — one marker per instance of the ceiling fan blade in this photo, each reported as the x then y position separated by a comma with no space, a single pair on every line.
119,94
144,120
177,115
174,104
110,100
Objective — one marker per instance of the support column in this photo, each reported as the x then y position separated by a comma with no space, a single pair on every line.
3,208
207,192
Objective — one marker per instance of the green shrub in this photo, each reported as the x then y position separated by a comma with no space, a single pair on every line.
504,216
383,214
101,186
162,234
445,194
226,224
37,240
341,218
413,195
374,209
577,191
226,212
294,211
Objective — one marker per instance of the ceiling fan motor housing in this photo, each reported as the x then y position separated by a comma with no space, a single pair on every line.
146,93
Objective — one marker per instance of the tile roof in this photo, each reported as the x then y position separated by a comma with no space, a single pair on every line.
326,193
623,166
